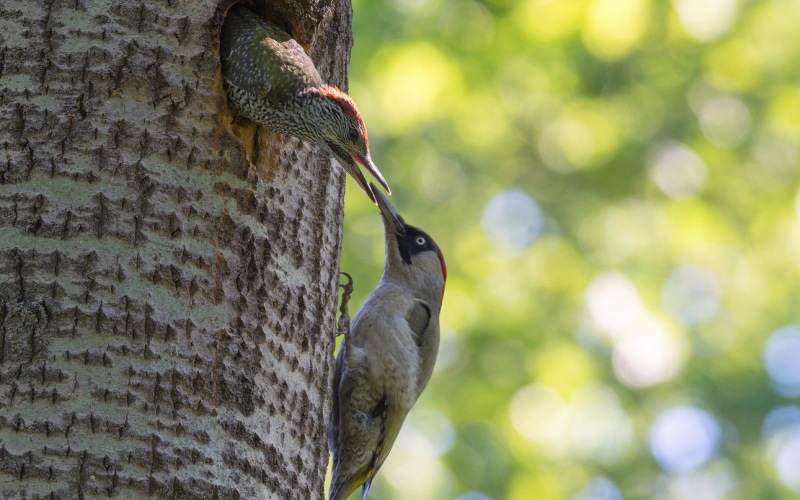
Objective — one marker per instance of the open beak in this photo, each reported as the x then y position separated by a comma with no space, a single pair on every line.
350,163
371,168
392,220
362,182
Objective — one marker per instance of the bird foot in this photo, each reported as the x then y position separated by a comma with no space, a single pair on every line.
343,326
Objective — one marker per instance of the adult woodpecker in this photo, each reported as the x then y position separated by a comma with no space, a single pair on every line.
387,356
271,80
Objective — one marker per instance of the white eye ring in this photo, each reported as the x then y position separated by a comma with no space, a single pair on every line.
420,240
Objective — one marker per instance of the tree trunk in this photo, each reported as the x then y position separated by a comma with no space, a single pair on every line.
166,306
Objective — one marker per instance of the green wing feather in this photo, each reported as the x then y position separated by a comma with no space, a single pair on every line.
262,61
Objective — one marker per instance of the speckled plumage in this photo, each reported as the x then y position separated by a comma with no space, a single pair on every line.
270,79
387,357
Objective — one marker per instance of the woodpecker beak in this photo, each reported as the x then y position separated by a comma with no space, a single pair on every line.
350,163
391,218
371,168
359,177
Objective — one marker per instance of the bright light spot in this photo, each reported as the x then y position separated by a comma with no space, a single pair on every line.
419,66
540,415
735,65
712,482
684,438
566,144
646,354
599,428
563,366
548,20
613,302
592,426
584,134
430,433
678,171
784,107
706,20
691,294
780,419
614,27
776,156
599,488
412,467
725,121
512,219
781,355
784,451
782,435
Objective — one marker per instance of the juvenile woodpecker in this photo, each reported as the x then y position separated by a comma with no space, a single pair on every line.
387,356
271,80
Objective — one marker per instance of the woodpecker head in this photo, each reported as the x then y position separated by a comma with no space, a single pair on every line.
411,254
345,134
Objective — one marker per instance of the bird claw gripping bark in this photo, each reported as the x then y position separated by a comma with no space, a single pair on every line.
343,326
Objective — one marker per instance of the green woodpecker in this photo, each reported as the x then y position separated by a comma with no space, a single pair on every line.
387,356
271,80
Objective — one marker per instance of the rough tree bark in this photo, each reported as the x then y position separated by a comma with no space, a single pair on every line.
166,306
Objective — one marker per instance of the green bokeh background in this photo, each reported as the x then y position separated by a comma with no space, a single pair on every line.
641,161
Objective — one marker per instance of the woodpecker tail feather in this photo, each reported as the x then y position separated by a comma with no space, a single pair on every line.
365,489
341,489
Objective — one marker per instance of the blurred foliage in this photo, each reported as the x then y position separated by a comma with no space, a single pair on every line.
614,184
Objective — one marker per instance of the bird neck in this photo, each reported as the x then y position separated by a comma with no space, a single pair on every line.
425,286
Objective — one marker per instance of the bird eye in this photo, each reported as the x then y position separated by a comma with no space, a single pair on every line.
420,240
352,135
